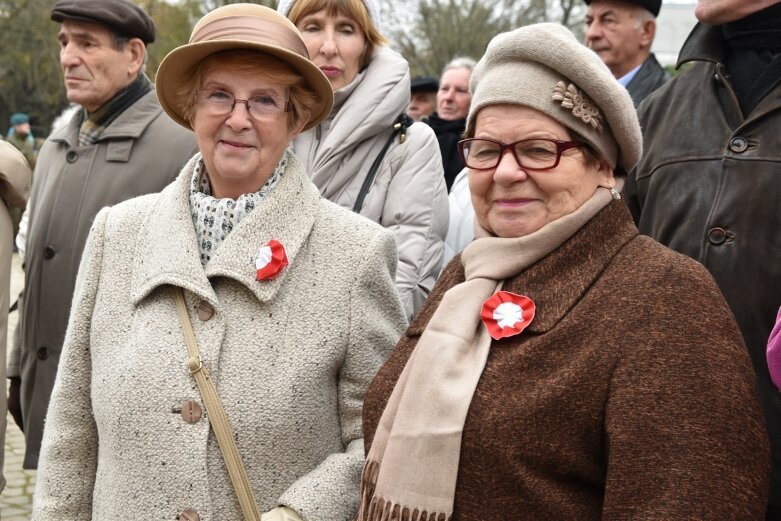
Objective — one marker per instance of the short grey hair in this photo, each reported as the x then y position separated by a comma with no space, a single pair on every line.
120,40
643,15
460,62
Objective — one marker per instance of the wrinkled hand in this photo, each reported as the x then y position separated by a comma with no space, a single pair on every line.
281,514
14,404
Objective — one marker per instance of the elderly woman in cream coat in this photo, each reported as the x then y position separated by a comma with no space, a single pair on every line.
291,297
371,86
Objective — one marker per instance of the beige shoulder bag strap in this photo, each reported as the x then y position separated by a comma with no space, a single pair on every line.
217,418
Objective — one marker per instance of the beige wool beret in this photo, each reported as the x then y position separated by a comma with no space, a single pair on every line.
544,67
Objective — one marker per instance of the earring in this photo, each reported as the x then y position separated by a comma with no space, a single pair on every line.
613,192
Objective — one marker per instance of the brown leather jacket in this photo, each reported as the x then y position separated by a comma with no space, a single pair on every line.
709,186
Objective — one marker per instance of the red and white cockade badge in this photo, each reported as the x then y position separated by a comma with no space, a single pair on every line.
507,314
270,260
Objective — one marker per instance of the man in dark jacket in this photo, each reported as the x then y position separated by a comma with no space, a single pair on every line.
621,33
119,145
423,97
449,121
709,183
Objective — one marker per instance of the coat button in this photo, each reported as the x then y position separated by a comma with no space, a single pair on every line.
191,411
42,353
71,156
189,515
738,144
717,235
205,311
48,252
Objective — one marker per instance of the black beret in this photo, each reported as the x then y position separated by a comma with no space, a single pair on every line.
121,16
651,6
421,84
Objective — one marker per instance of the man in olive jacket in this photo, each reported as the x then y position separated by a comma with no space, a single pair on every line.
118,146
709,183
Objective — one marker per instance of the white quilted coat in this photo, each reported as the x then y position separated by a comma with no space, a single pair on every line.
408,195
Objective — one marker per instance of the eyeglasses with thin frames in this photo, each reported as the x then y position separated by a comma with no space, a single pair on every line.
530,154
222,103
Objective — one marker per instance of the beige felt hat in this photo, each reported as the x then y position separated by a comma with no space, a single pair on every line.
543,66
241,26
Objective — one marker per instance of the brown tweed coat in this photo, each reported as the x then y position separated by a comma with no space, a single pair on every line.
630,395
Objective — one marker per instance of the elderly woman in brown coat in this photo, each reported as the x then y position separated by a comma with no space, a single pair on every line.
289,298
564,367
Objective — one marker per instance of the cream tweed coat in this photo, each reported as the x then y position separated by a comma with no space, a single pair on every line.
291,358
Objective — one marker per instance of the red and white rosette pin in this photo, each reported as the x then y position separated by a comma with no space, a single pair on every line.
270,260
507,314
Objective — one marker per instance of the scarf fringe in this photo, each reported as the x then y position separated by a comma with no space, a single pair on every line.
377,509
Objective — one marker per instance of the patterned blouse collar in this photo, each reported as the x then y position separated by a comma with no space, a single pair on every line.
215,218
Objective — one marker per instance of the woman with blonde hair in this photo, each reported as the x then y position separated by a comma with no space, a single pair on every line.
367,155
224,330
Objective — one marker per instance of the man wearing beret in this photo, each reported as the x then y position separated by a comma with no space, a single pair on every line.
709,182
621,33
423,97
119,145
20,136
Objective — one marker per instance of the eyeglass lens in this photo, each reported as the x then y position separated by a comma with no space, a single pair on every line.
530,153
221,102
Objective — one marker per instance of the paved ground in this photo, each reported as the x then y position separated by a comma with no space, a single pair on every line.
16,499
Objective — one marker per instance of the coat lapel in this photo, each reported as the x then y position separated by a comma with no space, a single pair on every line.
167,249
646,80
287,215
557,282
131,124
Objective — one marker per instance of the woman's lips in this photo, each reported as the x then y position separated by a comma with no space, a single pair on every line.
512,203
331,72
235,144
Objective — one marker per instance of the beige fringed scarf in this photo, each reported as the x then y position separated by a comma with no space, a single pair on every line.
413,462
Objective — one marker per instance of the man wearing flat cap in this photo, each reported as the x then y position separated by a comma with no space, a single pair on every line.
709,182
423,97
118,146
621,33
